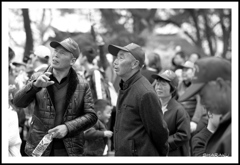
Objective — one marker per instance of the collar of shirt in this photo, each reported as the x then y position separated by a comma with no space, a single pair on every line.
124,85
164,108
63,79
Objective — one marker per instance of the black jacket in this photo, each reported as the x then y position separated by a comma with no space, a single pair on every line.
178,122
79,114
140,129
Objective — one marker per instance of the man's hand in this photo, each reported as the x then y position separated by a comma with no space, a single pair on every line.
59,131
108,134
43,80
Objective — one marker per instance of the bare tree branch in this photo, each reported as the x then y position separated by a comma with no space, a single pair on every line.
196,24
28,30
208,34
156,21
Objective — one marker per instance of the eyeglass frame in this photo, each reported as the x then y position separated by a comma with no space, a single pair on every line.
209,114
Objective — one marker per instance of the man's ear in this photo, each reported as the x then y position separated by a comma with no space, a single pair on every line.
135,64
221,83
73,61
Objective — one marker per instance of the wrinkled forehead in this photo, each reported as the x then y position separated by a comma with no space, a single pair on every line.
125,54
61,48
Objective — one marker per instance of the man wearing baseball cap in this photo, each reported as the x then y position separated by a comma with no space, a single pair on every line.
63,103
38,61
192,105
140,129
212,81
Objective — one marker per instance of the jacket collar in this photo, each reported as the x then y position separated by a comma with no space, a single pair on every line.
73,82
171,104
124,85
226,118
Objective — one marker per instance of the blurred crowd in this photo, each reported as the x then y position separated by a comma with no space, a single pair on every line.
194,96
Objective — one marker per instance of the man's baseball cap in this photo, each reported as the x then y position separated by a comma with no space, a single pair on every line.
42,51
207,69
132,48
188,65
15,63
169,76
69,44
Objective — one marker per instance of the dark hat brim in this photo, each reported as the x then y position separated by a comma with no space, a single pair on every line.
183,67
18,64
55,44
155,76
114,49
191,91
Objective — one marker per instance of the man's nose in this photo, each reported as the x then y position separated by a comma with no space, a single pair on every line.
115,61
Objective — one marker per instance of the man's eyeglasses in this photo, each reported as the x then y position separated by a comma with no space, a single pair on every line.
209,114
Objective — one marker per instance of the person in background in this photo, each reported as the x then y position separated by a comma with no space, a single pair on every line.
140,129
212,81
63,103
39,60
153,66
176,117
96,78
17,79
178,60
194,57
200,139
14,139
97,136
191,105
20,74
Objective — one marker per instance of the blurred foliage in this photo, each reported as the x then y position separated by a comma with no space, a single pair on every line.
67,11
205,28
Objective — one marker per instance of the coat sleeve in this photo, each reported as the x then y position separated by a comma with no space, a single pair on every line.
199,112
182,130
94,132
199,142
89,117
26,95
152,117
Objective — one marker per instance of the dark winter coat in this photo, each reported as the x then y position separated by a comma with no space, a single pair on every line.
178,122
140,129
79,114
199,142
220,141
95,141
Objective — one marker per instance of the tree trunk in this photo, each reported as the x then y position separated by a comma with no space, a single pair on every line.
29,39
226,31
208,34
196,24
